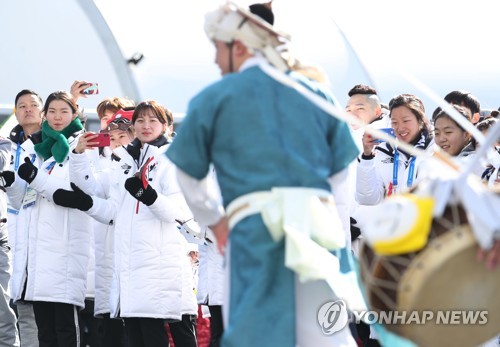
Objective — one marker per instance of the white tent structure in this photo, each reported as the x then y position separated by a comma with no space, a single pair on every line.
46,45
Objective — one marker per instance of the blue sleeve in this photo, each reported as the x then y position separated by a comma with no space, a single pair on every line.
315,87
342,147
190,149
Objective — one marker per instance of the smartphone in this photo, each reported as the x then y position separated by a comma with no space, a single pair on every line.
388,131
103,140
92,89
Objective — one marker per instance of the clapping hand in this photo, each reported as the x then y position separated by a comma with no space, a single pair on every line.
145,195
75,198
7,178
27,171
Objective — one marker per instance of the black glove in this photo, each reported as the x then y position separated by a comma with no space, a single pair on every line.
7,178
27,171
134,186
75,198
355,231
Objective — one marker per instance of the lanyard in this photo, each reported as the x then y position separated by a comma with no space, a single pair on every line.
411,170
18,151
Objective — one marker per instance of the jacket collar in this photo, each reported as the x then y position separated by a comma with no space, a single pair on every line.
467,150
15,134
36,137
134,148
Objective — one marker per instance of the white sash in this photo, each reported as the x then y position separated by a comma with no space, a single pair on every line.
310,224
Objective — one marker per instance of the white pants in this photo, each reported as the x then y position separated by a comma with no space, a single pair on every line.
494,342
8,331
309,297
27,325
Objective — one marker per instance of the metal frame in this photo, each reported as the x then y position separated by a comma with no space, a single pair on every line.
122,69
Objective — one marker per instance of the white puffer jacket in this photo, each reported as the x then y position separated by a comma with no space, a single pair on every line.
374,176
5,154
357,211
152,275
210,273
52,243
104,254
16,138
100,270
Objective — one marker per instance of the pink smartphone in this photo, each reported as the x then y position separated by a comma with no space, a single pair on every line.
92,89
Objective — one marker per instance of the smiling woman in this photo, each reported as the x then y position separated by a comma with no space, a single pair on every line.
385,170
450,136
150,122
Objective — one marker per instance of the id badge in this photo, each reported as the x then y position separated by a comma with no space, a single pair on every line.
29,197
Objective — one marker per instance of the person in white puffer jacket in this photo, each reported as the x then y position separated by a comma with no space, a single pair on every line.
152,278
99,327
365,105
9,335
52,247
211,285
384,170
211,272
28,113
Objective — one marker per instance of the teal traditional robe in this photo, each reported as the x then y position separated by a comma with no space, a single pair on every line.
260,134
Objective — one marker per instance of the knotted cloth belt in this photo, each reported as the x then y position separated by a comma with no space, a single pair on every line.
308,221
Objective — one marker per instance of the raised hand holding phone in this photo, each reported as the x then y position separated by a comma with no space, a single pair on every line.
369,142
102,139
86,141
77,89
91,89
388,131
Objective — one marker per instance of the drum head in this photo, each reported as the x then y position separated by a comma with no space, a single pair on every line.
446,276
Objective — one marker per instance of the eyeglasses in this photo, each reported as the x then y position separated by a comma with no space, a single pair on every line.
123,126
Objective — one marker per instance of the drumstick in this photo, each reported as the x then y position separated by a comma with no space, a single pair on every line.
446,159
340,114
